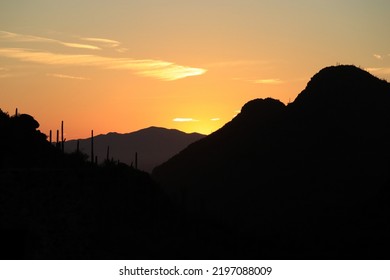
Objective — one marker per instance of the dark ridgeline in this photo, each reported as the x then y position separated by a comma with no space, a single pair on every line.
21,144
56,205
152,145
305,181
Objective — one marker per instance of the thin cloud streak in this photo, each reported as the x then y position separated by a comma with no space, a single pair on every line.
261,81
268,81
377,56
121,50
61,76
236,113
379,70
215,119
15,37
233,63
79,46
162,70
172,72
184,120
106,42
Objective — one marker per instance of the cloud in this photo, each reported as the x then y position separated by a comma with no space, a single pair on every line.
105,42
377,56
15,37
80,46
61,76
379,70
51,58
108,43
232,63
158,69
121,50
215,119
236,113
268,81
184,120
169,71
261,81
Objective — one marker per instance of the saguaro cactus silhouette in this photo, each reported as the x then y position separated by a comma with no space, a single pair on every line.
92,156
62,136
58,139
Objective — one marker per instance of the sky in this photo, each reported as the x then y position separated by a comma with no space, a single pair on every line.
124,65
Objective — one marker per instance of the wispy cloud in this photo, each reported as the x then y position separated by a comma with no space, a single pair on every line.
184,120
232,63
79,46
169,71
121,50
105,42
15,37
108,43
215,119
61,76
268,81
379,70
158,69
236,113
261,81
378,56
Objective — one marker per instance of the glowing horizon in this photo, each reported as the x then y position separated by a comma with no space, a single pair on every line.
189,65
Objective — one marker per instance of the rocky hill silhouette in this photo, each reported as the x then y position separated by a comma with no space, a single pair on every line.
153,145
307,180
55,205
310,179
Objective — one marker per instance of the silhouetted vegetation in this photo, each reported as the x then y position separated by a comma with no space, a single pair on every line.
56,205
309,180
153,145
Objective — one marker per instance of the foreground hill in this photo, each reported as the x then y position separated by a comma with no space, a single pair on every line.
311,178
55,205
154,145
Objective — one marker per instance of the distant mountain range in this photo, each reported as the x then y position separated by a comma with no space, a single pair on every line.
315,171
153,145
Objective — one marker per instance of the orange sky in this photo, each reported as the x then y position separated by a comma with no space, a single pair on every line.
191,65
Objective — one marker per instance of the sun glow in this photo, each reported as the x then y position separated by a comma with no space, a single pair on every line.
150,64
204,126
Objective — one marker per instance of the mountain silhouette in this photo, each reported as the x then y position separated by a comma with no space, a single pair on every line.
22,144
153,145
307,180
56,205
311,178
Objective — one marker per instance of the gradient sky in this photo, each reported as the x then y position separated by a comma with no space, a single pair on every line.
123,65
